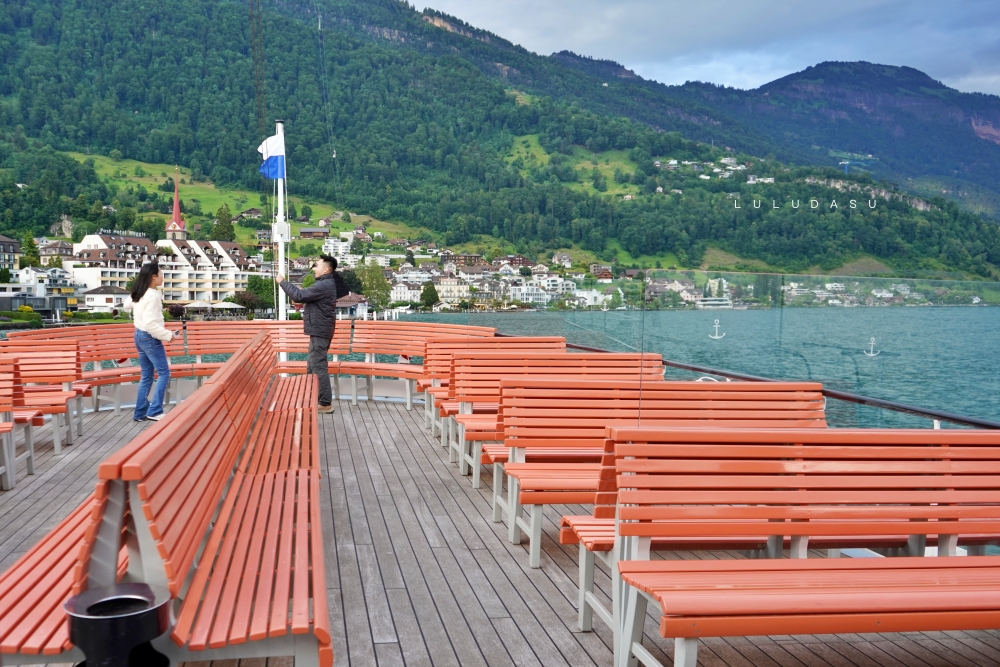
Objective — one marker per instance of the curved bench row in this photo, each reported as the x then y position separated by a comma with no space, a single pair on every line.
238,543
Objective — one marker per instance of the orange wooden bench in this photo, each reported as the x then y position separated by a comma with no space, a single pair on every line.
33,627
260,557
51,384
11,396
804,484
238,542
405,340
439,365
477,377
111,344
547,415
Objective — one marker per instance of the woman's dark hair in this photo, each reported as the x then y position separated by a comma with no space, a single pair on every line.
142,280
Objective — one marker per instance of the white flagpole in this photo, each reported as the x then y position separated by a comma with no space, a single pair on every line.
279,233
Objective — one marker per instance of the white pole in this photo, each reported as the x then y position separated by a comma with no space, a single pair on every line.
280,233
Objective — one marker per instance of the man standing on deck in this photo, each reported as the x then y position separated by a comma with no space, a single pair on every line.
319,318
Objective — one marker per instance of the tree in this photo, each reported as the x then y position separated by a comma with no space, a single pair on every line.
55,262
223,229
347,217
308,280
115,155
130,283
525,271
30,250
4,275
429,295
248,300
292,213
357,246
374,285
306,210
410,258
352,281
263,289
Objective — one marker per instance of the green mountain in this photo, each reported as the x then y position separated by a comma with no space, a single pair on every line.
438,124
929,138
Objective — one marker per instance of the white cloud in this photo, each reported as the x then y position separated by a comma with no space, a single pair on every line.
746,44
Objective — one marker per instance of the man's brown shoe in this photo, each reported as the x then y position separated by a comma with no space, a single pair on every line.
324,409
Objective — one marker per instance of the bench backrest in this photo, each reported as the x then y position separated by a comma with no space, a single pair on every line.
210,337
477,376
802,482
439,352
407,338
574,414
44,361
205,434
98,342
11,387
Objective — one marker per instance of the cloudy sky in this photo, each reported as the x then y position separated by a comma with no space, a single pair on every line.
750,42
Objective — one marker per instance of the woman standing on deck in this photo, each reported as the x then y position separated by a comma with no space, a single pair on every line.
150,335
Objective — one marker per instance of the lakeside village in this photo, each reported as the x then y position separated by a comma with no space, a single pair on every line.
89,279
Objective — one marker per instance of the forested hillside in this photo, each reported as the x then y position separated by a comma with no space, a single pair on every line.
425,133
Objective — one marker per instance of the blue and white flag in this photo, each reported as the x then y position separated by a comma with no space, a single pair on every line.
273,150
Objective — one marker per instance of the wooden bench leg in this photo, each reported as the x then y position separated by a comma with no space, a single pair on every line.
96,396
586,614
476,447
833,553
118,399
631,631
513,510
7,461
409,393
947,545
457,444
535,537
57,433
68,420
685,652
354,390
370,386
775,546
79,416
445,425
336,387
428,410
498,499
800,546
29,446
976,549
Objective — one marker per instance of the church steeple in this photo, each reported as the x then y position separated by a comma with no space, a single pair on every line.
176,228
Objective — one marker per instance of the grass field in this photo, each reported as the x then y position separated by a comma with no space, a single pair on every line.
533,155
123,173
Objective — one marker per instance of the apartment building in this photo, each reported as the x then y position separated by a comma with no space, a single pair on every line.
203,270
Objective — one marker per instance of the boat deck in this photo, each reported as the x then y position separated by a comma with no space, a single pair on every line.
420,575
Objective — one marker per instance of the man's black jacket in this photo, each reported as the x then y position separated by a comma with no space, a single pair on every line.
320,313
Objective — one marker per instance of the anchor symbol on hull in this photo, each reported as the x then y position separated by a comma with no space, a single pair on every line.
716,336
871,351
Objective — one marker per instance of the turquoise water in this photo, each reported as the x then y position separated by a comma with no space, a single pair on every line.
944,358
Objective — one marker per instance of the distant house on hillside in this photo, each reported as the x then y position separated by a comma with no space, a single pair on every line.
562,259
251,213
313,233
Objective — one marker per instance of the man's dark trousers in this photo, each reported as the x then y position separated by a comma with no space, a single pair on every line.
317,363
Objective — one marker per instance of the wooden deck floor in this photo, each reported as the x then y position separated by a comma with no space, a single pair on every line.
420,575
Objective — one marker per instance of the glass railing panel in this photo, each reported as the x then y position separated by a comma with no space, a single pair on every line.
927,343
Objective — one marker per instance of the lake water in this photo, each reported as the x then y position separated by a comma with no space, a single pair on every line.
944,358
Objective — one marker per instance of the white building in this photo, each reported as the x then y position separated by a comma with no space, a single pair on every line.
203,270
406,292
562,259
591,297
47,282
530,294
104,299
452,290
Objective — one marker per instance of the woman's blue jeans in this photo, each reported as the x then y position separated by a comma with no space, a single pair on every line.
152,357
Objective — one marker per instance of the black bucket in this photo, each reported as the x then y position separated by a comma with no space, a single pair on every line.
114,625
